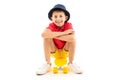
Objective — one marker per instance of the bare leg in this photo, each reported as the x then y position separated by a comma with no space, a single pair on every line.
49,47
70,46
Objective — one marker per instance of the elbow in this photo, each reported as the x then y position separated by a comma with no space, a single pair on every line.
43,35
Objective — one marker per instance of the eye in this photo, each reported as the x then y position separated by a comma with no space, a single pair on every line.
61,16
55,16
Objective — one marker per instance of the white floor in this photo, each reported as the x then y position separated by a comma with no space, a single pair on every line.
60,76
97,26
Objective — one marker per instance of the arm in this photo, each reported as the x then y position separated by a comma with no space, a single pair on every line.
49,34
67,37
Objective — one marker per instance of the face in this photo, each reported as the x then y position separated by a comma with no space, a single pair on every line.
59,17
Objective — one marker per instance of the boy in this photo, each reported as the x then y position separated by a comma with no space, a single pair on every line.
59,35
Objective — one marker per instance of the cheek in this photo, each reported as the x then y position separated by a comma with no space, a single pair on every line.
65,19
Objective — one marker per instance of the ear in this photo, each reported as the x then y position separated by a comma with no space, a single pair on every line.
66,17
51,18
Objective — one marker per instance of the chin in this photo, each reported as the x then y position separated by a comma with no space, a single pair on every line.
60,25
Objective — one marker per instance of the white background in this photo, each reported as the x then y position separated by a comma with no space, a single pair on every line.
97,25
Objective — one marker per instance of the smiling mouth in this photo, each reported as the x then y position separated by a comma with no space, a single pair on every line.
58,22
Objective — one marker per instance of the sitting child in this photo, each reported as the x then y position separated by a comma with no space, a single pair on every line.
59,35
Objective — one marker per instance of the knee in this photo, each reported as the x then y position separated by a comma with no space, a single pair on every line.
71,40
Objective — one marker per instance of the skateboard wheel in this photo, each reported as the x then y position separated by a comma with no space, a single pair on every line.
65,70
55,70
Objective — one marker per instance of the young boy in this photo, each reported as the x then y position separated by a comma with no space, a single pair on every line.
59,35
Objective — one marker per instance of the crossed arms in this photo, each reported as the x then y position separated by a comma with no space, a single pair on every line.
67,35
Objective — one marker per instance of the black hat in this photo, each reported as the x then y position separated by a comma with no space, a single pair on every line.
59,7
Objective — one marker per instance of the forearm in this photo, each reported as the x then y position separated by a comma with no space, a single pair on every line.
69,32
69,37
52,34
57,34
49,34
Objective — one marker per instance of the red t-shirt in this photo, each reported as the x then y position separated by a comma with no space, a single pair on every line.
59,43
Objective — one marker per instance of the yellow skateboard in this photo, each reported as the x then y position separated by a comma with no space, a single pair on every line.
60,61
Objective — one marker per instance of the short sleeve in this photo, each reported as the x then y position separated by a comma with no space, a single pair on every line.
50,26
68,26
